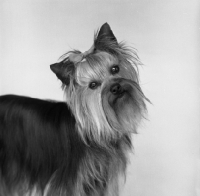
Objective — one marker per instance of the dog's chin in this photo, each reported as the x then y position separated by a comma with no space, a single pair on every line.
127,112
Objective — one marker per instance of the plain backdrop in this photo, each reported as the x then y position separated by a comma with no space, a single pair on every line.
35,33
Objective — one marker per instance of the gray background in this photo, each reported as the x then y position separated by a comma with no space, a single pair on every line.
35,33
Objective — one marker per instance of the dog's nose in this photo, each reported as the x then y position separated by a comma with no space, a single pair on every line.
116,89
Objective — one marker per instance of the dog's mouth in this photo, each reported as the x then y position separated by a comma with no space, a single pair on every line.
122,98
123,105
122,94
115,99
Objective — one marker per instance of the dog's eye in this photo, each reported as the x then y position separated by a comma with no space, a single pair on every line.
114,69
93,85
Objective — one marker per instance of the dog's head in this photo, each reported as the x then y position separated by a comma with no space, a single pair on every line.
102,88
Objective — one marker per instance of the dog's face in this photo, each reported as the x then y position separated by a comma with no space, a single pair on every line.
103,92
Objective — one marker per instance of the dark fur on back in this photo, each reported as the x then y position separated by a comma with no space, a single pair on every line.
43,139
40,143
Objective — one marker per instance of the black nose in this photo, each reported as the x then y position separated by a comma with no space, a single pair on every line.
116,89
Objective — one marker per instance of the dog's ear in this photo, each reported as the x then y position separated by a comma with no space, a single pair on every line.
64,70
105,32
105,39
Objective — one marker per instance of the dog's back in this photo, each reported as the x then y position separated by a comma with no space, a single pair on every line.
37,137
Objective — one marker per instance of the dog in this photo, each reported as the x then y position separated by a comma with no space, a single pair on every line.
78,147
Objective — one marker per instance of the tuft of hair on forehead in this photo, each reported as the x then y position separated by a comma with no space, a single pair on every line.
95,67
102,44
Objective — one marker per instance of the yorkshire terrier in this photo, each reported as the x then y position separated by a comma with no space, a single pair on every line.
78,147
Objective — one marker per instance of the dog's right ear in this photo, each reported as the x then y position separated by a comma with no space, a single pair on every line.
64,70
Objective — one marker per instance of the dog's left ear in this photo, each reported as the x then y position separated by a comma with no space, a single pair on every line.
63,70
105,32
105,39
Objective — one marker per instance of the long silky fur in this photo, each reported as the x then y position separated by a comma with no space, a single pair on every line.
78,147
43,146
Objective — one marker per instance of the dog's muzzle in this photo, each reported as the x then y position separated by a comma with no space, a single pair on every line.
120,88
